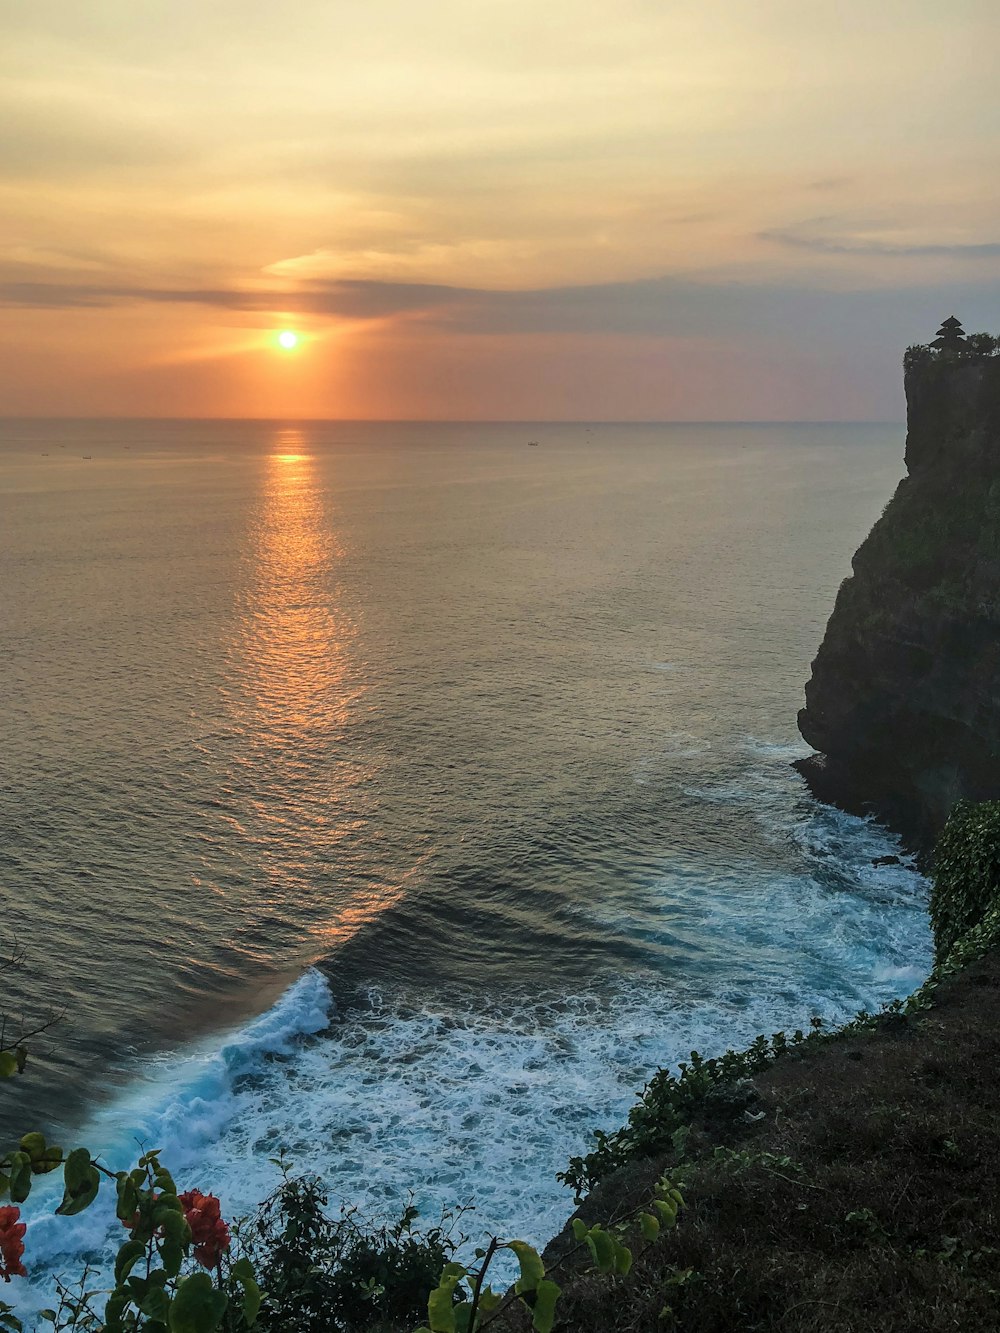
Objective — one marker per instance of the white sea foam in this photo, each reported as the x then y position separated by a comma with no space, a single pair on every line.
461,1100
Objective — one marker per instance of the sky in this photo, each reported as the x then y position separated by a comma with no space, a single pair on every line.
491,209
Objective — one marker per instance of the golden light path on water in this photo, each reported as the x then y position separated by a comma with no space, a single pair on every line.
299,681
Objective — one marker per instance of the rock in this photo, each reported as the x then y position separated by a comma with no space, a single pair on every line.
886,861
904,700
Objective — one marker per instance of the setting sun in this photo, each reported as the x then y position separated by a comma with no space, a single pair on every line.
288,340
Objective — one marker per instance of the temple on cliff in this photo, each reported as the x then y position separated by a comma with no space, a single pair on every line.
950,336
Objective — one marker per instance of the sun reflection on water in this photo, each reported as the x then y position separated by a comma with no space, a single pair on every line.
306,798
295,636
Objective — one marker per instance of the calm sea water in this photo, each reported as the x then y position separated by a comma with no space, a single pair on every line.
401,796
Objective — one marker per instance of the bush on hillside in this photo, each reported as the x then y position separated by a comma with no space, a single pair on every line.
966,872
341,1274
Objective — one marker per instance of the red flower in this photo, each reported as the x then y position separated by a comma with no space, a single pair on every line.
11,1244
208,1231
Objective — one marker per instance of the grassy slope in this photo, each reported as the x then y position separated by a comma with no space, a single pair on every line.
899,1126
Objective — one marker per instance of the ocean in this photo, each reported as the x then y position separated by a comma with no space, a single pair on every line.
398,797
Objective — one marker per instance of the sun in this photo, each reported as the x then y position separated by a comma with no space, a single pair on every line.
288,339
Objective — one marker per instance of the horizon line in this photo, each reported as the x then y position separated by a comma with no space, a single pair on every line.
482,421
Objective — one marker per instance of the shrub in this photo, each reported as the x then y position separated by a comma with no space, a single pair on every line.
660,1119
966,872
915,355
464,1302
976,347
343,1274
982,344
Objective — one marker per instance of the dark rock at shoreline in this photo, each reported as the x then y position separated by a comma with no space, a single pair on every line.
904,700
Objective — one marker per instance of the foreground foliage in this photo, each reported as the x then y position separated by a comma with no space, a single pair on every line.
464,1302
173,1272
159,1282
341,1274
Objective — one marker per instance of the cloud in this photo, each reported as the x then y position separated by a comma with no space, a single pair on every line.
803,238
658,307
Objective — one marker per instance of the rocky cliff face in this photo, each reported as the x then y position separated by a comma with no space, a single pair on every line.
904,700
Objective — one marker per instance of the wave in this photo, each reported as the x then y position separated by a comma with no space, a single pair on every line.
461,1096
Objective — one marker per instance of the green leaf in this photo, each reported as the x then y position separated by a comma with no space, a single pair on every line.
198,1306
164,1180
602,1247
117,1305
128,1256
82,1182
128,1198
252,1298
20,1177
174,1225
171,1256
242,1271
44,1157
50,1160
580,1228
666,1210
489,1300
140,1287
623,1258
441,1311
463,1315
8,1064
543,1312
156,1303
532,1268
441,1302
649,1226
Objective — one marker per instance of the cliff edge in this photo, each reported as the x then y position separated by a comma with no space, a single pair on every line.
904,700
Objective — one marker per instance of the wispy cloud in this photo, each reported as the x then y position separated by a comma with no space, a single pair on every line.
660,307
830,243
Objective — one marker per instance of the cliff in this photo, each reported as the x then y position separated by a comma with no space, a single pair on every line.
904,700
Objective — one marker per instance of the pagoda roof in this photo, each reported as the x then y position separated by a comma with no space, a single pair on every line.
951,323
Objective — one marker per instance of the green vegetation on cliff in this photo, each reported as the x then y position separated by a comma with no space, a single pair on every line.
965,903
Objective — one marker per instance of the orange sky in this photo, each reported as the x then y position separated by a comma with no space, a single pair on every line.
491,208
